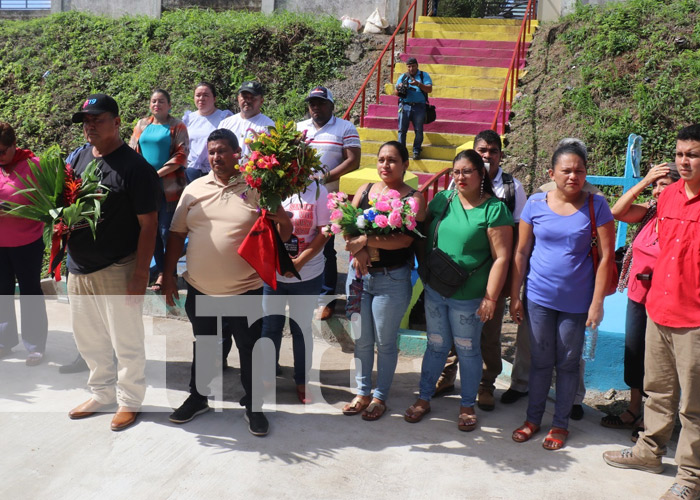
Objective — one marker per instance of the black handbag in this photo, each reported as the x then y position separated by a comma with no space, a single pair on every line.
439,271
430,114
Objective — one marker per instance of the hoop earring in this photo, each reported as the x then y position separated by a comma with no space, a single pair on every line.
481,190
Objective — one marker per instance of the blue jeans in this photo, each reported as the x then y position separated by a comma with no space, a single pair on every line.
413,112
193,173
302,343
385,298
556,340
451,321
23,263
330,269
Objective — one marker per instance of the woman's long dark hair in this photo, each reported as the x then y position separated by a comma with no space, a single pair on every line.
478,163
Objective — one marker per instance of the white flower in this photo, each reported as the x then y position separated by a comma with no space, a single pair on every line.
360,222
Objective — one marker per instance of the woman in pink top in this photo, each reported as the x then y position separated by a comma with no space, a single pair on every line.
21,256
637,268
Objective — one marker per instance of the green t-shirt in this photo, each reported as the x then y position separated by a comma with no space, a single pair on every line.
462,235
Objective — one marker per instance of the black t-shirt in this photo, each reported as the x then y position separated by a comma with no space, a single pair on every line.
134,190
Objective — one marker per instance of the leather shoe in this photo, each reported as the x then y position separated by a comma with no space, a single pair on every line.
77,366
125,417
87,409
485,399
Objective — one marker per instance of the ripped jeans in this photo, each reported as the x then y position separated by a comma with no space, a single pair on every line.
452,321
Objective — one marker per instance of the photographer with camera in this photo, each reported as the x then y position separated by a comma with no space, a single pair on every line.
413,88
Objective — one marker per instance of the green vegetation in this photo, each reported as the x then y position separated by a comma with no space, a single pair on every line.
51,64
470,8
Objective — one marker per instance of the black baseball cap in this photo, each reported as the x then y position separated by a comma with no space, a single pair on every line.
254,88
320,93
411,60
96,104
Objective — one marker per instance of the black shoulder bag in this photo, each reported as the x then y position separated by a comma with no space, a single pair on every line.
438,269
430,113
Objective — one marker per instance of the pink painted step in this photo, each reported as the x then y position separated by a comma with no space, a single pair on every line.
467,44
450,127
489,62
460,52
446,102
449,114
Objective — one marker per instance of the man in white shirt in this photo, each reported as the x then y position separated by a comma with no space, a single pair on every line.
250,120
338,144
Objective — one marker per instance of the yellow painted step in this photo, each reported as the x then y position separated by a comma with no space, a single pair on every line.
422,165
453,69
462,81
468,35
486,94
429,138
472,28
466,21
350,183
371,148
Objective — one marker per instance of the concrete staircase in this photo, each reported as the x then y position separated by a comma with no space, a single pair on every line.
467,60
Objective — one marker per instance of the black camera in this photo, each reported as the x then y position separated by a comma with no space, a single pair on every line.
402,89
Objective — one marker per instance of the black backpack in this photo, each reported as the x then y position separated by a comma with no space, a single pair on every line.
509,191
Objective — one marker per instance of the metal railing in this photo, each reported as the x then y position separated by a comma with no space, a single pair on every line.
413,8
509,85
25,4
434,182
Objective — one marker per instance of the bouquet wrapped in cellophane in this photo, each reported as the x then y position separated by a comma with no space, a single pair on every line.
61,200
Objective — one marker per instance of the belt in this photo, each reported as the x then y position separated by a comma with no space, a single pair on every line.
384,270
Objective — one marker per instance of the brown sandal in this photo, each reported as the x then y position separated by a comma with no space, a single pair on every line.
525,432
415,413
357,405
467,422
374,411
551,442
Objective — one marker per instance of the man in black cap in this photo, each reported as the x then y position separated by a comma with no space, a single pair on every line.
413,88
109,272
250,120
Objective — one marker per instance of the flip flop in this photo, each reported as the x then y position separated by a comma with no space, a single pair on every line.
466,422
34,358
374,411
415,413
615,422
525,432
357,405
552,442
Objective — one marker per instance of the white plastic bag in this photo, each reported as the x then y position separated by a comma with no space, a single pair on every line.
351,23
375,23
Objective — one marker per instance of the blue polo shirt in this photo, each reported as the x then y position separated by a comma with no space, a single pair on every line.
414,93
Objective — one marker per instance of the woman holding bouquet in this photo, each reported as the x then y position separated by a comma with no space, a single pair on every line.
163,141
475,229
21,255
383,263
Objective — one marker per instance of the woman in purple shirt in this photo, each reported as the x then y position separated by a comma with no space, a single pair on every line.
564,293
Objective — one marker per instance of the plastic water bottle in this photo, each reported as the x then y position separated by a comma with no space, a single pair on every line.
589,343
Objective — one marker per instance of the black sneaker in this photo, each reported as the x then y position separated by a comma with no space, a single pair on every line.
257,423
77,366
511,396
416,155
193,406
576,412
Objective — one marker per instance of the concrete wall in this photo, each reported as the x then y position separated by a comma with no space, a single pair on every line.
252,5
551,10
391,10
113,8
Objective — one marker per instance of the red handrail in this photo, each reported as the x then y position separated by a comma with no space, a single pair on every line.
513,70
434,182
378,65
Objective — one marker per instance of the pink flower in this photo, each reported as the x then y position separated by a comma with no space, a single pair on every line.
395,218
335,228
383,206
393,193
413,204
331,204
396,204
336,214
273,160
381,221
254,156
342,196
410,223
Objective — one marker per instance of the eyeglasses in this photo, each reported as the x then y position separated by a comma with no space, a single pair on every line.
464,172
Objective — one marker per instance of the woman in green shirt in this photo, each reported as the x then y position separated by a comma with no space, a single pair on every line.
476,231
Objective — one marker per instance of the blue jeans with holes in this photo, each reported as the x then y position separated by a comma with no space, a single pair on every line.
556,340
452,321
413,112
385,298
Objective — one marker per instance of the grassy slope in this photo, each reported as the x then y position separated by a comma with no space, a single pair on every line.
51,64
603,73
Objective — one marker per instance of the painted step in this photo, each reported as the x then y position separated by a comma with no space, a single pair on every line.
457,92
444,113
451,69
464,44
461,81
491,62
481,35
371,148
475,104
429,137
512,31
452,127
466,21
414,166
459,51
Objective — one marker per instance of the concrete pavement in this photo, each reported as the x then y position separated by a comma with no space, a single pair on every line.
312,452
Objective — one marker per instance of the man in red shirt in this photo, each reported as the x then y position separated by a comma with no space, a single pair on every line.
672,359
